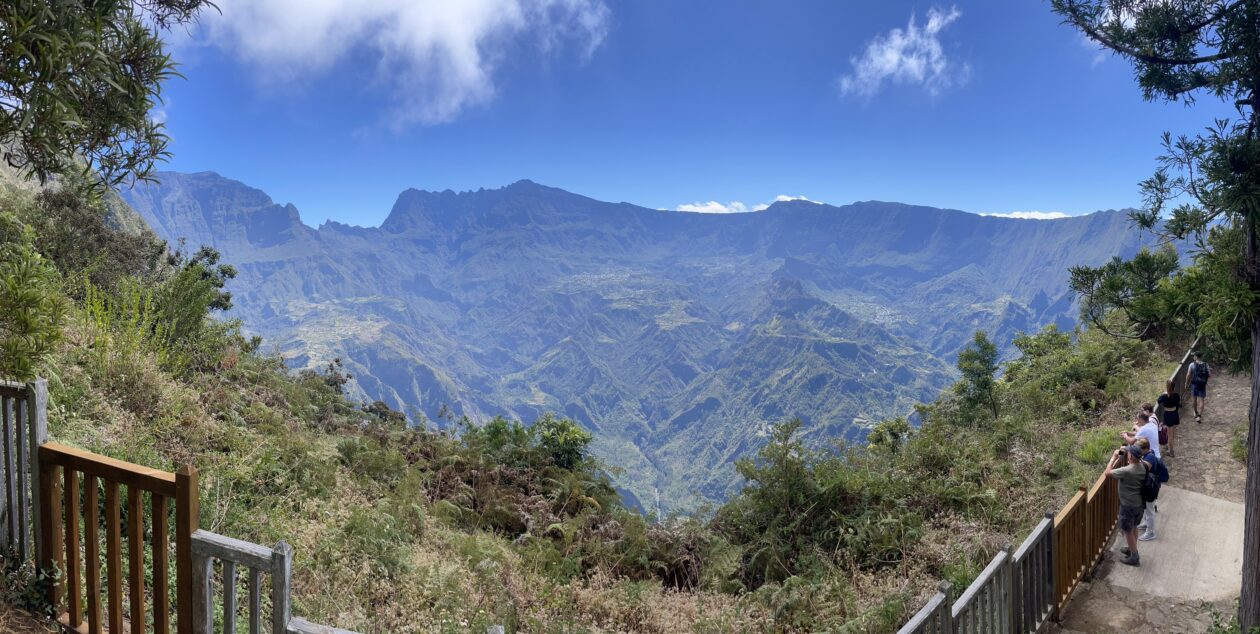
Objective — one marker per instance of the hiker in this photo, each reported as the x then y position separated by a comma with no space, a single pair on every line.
1170,404
1129,483
1150,489
1161,432
1197,376
1144,426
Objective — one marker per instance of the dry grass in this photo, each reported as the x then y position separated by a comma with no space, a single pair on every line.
15,621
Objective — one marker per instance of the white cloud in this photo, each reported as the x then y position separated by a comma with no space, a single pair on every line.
910,56
433,57
714,207
735,206
1030,215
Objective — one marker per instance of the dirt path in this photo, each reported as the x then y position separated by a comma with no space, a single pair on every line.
1203,462
1187,574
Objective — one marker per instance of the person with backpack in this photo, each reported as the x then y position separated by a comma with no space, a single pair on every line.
1129,480
1197,376
1156,476
1170,405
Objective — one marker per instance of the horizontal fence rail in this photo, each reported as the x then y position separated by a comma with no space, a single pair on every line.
986,605
935,617
302,626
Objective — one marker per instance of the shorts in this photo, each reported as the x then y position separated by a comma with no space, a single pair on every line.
1172,419
1130,517
1198,390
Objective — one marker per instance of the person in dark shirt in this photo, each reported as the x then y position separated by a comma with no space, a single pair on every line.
1170,410
1129,482
1197,376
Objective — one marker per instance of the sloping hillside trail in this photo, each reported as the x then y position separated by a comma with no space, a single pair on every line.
1194,567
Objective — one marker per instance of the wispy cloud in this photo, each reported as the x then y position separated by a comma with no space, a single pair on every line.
1030,215
434,58
714,207
735,206
910,56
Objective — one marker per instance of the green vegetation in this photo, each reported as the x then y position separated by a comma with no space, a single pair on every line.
1238,448
77,81
978,363
1206,188
462,526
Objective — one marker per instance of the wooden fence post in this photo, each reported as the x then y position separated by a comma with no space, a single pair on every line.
36,411
281,570
187,518
1050,568
1012,589
947,623
48,544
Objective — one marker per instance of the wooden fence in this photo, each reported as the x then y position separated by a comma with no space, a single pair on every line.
64,504
54,497
1014,593
23,414
1024,591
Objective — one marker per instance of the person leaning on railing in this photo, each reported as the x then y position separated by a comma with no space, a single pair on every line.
1129,485
1144,426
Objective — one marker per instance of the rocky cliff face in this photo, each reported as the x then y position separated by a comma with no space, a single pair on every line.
676,337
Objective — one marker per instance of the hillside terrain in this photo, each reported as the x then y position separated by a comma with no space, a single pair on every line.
677,338
405,529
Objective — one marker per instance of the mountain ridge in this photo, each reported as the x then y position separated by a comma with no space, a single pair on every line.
677,337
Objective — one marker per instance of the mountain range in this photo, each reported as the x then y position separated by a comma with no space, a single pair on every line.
677,338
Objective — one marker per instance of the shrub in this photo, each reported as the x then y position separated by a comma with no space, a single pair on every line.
30,323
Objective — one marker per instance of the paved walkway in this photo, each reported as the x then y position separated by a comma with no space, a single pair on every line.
1196,563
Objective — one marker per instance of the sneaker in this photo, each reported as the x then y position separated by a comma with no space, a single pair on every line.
1147,536
1124,550
1198,419
1131,560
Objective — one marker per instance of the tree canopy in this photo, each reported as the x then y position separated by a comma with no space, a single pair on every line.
78,80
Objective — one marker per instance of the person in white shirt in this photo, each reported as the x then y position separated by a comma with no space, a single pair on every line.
1144,426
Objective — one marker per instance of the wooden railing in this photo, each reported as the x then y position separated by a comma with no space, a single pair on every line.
1033,579
53,498
1014,593
988,603
1070,561
61,468
935,617
209,547
23,423
1023,592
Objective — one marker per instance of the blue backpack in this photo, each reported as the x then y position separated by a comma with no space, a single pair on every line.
1156,475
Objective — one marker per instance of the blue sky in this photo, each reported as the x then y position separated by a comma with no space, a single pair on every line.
984,105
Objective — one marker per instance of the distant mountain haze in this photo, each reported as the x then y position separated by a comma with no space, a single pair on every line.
676,337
